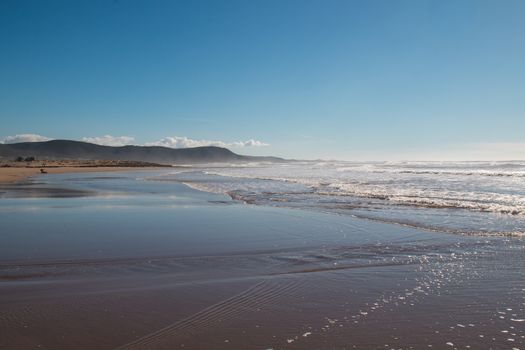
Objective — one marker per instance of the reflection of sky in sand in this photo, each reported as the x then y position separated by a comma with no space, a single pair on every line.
157,217
306,276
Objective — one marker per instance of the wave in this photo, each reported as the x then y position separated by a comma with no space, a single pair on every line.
445,172
503,203
439,193
478,201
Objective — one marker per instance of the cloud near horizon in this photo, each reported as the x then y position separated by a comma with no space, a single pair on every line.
185,142
24,138
172,142
108,140
487,151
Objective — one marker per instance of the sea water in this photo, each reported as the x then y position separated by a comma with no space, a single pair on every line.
458,197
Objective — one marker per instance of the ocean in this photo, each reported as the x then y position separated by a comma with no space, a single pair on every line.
483,198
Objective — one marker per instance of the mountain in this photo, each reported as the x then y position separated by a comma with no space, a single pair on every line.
66,149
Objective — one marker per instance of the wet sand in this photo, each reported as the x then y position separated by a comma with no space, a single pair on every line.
170,267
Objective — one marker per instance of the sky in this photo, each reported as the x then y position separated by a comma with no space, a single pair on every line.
350,80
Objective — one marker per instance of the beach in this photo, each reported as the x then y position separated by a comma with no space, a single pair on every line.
135,260
262,175
12,172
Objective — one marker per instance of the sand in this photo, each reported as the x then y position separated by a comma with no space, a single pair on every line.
12,175
157,265
81,276
12,172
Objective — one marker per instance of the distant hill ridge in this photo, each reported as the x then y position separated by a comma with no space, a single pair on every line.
67,149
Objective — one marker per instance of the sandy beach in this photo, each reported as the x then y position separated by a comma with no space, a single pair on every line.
12,172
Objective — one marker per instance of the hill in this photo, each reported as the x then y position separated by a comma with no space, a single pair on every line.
66,149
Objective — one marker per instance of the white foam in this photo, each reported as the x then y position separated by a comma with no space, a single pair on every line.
451,185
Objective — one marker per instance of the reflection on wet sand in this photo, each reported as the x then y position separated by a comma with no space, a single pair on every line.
145,275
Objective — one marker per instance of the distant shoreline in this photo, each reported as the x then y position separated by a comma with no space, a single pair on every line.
12,172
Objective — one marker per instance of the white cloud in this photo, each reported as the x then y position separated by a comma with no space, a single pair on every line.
172,142
249,143
24,138
184,142
108,140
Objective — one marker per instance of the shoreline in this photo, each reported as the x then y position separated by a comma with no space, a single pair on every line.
165,266
12,173
145,274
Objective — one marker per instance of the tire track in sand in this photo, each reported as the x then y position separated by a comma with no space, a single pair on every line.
253,298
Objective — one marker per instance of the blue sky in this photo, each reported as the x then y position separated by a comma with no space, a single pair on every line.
371,79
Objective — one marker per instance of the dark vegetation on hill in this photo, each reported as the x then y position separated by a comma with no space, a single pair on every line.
66,149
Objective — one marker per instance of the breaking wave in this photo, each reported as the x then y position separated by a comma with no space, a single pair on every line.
458,196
